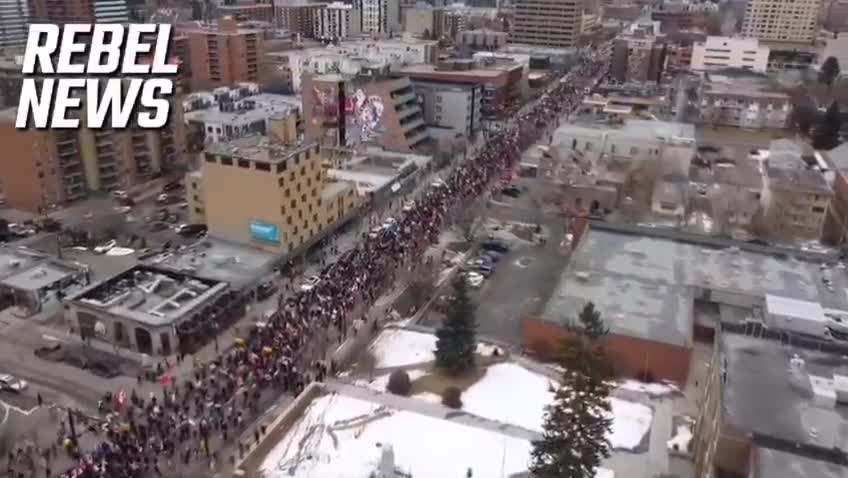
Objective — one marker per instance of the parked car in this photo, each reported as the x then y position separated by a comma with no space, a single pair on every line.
47,349
172,186
493,256
495,245
474,279
310,283
191,230
511,191
104,248
438,183
408,206
119,194
11,384
158,226
265,290
122,209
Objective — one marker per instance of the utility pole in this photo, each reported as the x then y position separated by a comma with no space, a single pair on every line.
72,428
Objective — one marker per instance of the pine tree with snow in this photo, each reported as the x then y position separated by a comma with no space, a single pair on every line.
456,339
579,420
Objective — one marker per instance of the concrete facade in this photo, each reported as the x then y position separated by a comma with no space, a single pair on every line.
458,108
223,54
794,21
729,52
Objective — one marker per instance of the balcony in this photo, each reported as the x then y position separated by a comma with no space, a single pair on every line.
413,124
405,98
407,111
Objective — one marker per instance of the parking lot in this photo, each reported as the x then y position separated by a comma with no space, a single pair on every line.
523,279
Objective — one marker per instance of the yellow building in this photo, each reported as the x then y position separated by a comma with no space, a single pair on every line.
272,196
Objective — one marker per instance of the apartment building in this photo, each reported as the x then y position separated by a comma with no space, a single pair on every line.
337,21
378,16
790,21
729,52
455,107
286,202
678,51
638,57
14,23
111,11
501,82
743,102
260,12
348,110
62,11
52,167
223,54
556,23
298,16
797,194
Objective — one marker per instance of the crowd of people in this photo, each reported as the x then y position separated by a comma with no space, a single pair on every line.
156,435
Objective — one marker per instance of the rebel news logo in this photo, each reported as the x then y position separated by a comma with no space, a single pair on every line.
114,75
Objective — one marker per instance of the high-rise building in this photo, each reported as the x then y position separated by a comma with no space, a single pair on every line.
789,21
337,20
111,11
378,16
62,11
222,55
298,16
14,17
555,23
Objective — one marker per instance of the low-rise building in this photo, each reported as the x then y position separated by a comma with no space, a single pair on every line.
456,107
377,174
501,82
743,101
144,309
482,39
638,57
633,138
797,193
229,113
729,52
32,281
286,202
348,110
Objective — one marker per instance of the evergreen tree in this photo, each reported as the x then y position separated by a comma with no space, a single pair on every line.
829,71
579,420
826,134
456,339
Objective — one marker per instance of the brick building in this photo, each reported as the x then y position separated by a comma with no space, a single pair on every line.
221,55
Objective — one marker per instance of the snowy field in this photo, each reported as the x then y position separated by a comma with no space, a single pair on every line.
340,437
399,348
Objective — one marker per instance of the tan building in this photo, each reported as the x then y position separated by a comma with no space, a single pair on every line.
284,200
791,21
797,195
263,12
53,167
554,23
299,16
381,111
223,54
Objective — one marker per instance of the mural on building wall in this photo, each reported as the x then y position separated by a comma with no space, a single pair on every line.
363,117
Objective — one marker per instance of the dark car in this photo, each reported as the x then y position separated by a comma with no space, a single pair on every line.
158,226
492,255
494,245
511,191
265,290
192,230
172,186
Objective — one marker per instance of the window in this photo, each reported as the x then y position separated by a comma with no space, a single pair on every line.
196,197
198,210
634,150
818,209
263,167
243,163
209,158
438,109
227,161
281,167
283,210
281,181
289,220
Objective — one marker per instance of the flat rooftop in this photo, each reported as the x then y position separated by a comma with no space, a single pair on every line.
640,129
149,295
263,106
428,70
782,392
772,462
214,259
644,285
40,276
744,86
257,148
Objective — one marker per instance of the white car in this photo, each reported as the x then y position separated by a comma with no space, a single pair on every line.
122,209
104,248
437,183
310,283
389,222
408,206
474,279
119,194
12,384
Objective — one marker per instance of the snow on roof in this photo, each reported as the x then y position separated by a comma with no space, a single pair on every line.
797,309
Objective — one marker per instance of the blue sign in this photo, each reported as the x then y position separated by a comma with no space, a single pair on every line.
262,231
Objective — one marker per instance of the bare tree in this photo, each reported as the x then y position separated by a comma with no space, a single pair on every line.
424,281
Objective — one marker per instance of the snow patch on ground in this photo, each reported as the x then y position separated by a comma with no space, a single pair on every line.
652,389
512,394
340,437
399,348
631,422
